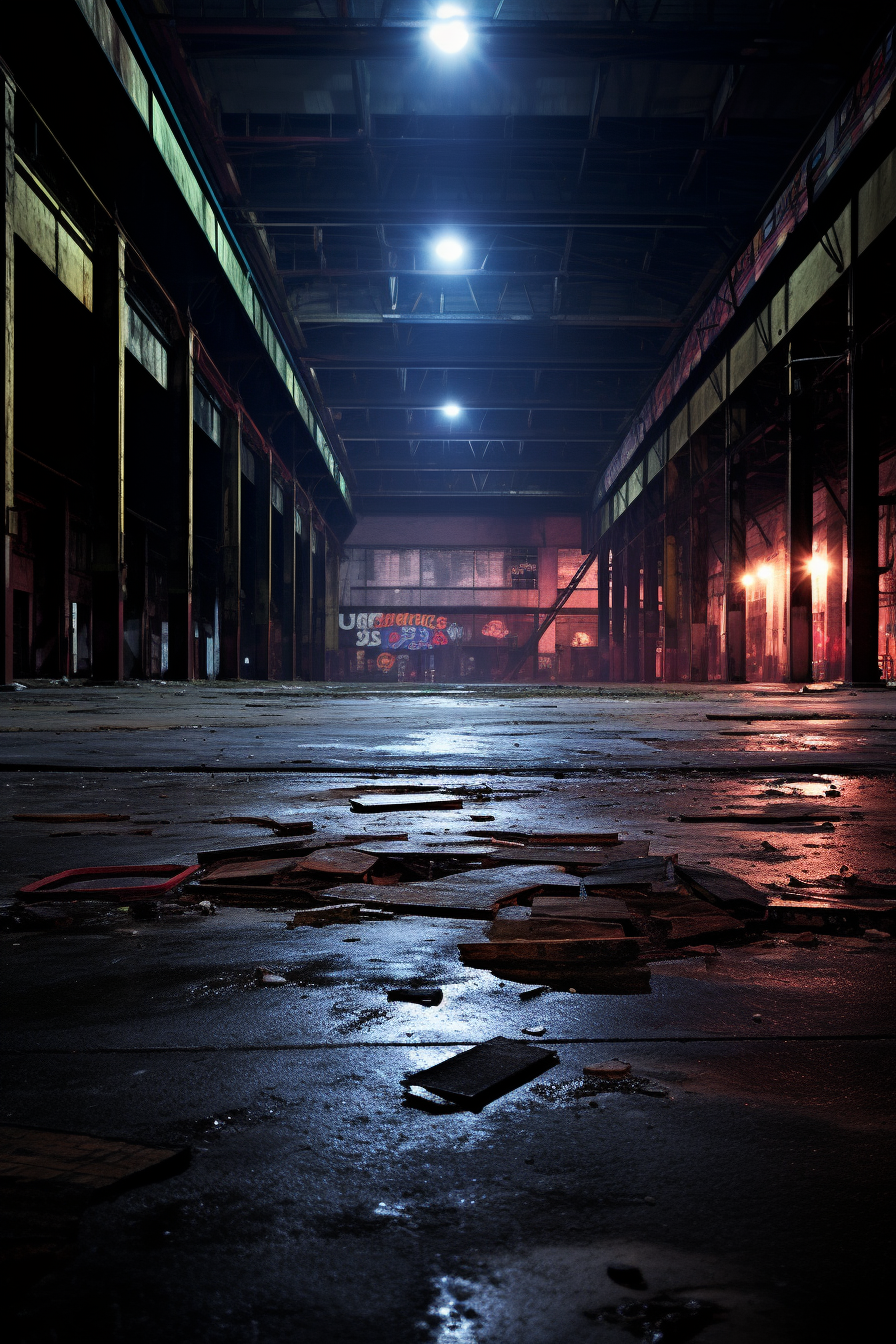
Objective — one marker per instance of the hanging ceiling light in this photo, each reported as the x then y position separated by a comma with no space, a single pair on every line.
450,34
451,409
449,248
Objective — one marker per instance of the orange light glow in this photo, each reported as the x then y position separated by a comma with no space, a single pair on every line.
581,640
765,572
818,567
749,580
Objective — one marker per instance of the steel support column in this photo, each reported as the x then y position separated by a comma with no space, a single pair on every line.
305,589
863,475
799,521
263,482
181,644
735,565
109,574
603,614
7,354
617,614
633,659
331,614
230,552
290,560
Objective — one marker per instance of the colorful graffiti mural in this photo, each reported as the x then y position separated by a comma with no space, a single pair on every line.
411,630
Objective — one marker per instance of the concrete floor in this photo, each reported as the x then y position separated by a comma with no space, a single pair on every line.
318,1204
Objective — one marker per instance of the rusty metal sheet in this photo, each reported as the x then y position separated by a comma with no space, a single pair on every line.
250,870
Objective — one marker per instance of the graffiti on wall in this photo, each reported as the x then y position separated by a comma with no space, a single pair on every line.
390,630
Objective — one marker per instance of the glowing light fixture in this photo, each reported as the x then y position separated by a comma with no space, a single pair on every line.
818,567
764,572
449,248
749,580
450,34
451,409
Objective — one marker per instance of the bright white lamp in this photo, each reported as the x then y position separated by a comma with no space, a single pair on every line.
451,410
449,249
450,34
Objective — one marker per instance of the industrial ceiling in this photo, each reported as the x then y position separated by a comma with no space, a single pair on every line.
485,256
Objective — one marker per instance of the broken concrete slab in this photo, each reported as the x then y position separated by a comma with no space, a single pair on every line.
405,802
555,839
694,928
249,870
351,862
594,951
98,1165
723,888
467,895
634,872
554,906
487,1071
503,930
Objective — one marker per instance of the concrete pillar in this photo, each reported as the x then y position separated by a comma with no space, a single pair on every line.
863,487
230,552
181,644
7,355
799,520
263,479
109,576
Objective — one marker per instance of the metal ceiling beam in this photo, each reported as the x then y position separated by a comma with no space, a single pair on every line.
303,214
528,436
362,470
523,403
439,361
359,40
609,321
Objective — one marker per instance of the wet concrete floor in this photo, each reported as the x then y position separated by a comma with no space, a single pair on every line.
749,1166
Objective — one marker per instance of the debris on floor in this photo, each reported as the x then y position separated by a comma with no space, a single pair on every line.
321,915
265,977
485,1072
405,802
111,883
278,827
427,998
615,1068
67,818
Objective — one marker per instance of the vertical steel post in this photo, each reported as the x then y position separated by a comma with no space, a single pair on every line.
181,643
603,614
799,518
863,476
230,555
108,568
10,521
264,473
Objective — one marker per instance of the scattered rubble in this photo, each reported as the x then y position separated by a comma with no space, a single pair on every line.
405,802
265,977
427,998
615,1068
483,1073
